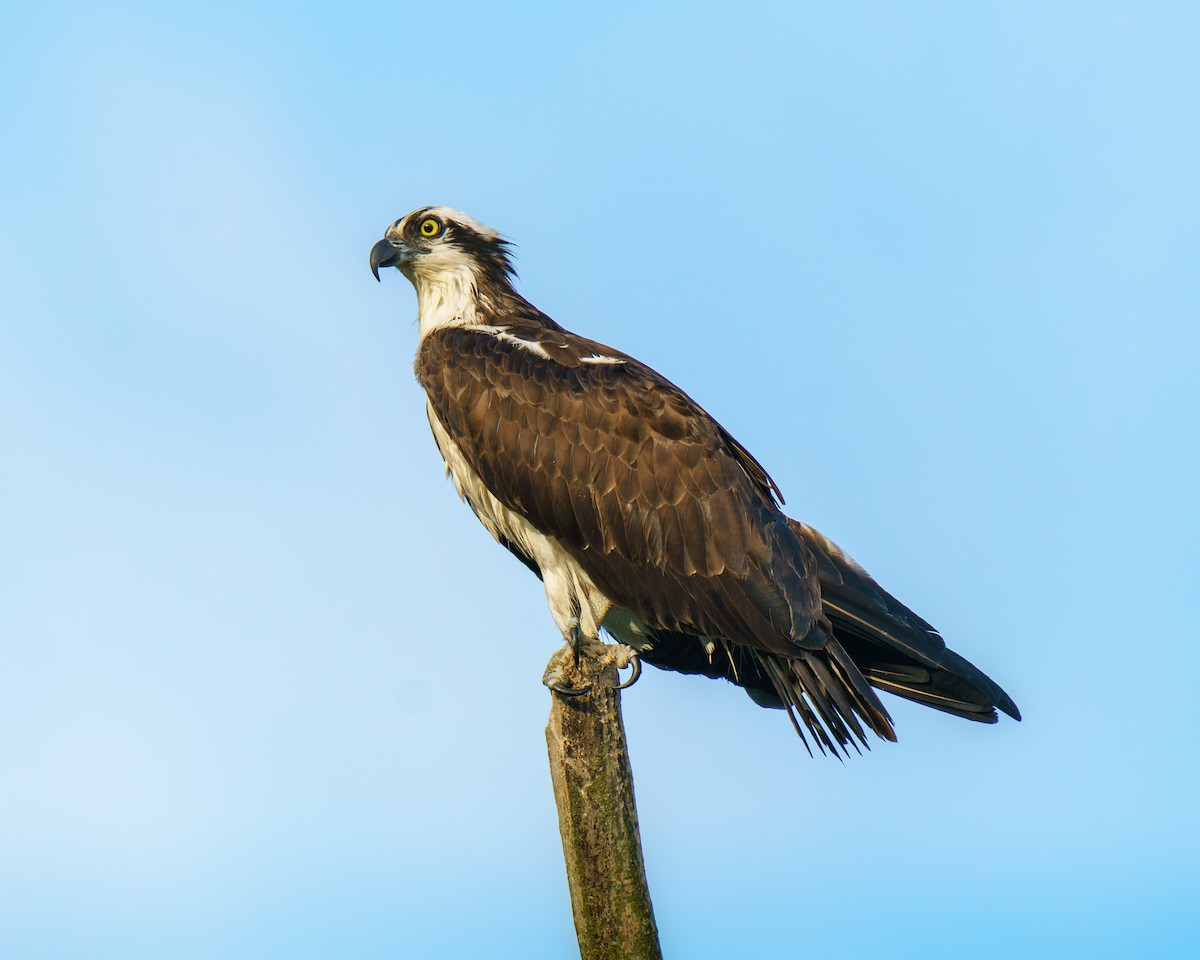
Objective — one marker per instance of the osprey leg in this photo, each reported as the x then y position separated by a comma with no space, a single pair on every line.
574,638
621,656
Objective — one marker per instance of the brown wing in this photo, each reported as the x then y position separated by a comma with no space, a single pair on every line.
671,518
894,648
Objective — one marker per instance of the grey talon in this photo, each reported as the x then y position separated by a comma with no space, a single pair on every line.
635,671
569,691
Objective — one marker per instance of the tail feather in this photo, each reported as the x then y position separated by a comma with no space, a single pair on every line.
917,684
869,703
810,689
835,693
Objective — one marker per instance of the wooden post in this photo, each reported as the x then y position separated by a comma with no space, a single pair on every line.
597,817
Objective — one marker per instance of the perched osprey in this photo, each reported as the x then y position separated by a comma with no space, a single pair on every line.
643,515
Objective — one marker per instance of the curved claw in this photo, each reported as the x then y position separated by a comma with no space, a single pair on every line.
635,671
566,691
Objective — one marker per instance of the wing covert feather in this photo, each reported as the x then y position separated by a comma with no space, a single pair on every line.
664,510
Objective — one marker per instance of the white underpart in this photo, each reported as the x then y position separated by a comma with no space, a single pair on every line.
597,358
570,592
445,281
502,334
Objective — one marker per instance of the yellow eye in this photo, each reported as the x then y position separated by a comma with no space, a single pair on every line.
430,227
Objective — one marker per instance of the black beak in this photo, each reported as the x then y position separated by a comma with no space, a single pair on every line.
383,254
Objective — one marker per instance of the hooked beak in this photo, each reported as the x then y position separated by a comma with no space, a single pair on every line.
385,254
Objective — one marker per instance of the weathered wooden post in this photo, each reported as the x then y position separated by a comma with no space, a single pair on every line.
597,816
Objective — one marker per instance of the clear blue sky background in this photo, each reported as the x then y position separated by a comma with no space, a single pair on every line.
268,690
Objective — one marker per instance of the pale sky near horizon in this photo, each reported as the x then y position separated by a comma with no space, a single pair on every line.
266,687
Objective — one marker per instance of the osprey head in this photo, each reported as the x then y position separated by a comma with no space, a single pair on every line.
433,242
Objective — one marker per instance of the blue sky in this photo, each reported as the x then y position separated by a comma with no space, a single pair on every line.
269,691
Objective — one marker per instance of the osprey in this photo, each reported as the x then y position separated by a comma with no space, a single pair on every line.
642,515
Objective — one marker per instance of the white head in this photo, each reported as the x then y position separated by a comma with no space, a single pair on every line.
452,259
